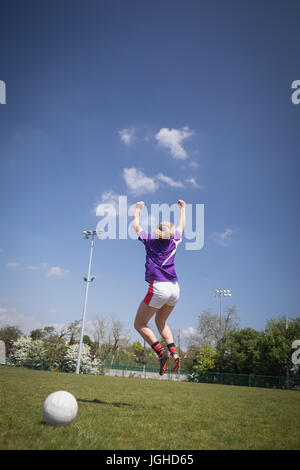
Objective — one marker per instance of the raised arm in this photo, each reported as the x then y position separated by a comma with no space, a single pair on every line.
136,218
180,226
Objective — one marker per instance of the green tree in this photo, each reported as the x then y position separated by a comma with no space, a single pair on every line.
211,327
87,340
205,358
37,334
9,334
275,346
238,352
49,331
189,359
55,348
71,331
139,353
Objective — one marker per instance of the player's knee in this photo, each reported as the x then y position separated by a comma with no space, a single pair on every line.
138,325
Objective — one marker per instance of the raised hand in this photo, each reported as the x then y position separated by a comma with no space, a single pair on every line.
181,203
140,205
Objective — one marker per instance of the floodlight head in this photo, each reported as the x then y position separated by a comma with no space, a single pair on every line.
85,279
86,234
92,278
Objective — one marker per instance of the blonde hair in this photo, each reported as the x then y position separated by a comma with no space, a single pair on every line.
164,230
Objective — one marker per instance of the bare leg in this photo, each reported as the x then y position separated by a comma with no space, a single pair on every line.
142,318
160,320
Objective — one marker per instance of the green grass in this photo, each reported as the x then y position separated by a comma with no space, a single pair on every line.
131,413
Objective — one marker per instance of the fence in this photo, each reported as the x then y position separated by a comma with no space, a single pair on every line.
141,372
221,378
250,380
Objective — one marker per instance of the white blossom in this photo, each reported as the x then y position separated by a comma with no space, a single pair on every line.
87,366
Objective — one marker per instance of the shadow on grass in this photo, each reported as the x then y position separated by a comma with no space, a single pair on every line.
101,402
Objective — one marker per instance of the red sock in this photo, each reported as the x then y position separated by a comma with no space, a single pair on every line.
157,347
172,348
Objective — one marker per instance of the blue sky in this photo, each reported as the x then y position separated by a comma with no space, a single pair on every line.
97,87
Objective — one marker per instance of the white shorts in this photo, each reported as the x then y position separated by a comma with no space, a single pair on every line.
161,293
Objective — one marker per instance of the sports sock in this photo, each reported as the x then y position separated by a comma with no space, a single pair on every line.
157,347
172,349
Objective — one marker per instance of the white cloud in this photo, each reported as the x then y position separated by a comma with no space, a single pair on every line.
108,203
33,268
13,264
223,238
7,310
57,271
192,181
169,181
50,270
9,316
138,182
127,135
172,140
188,332
44,265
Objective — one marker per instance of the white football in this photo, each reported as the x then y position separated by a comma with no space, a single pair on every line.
60,408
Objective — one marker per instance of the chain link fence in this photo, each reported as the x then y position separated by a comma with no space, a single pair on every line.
220,378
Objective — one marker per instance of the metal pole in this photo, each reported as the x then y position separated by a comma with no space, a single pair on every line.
179,348
85,305
144,358
287,360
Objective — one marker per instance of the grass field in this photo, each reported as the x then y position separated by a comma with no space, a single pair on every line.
131,413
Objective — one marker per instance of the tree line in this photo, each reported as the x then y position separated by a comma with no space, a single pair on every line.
221,345
218,345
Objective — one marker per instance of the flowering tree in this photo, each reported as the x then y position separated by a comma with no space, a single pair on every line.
87,366
26,350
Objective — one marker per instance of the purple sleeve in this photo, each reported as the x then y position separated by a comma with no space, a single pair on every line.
177,235
144,237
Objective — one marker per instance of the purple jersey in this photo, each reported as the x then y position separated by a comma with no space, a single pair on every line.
160,256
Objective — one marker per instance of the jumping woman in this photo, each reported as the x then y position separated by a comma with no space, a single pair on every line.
163,291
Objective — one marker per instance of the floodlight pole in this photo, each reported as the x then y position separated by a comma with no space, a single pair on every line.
222,293
87,280
287,361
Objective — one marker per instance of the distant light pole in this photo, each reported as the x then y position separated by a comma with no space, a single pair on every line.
222,293
179,348
287,360
144,366
88,279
